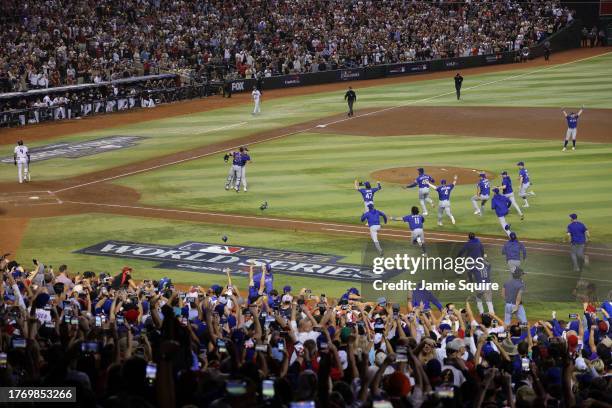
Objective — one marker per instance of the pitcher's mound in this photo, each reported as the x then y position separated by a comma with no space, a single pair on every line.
406,175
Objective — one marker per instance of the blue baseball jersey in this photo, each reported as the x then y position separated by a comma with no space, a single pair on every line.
244,158
368,193
572,121
524,174
500,204
483,274
577,230
414,221
373,217
237,158
507,184
444,191
423,179
484,186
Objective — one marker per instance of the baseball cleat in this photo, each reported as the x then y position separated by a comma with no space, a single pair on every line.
439,224
245,189
573,148
477,213
452,219
522,217
227,187
526,205
564,149
425,213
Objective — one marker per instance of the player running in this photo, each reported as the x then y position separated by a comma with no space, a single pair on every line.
524,182
483,191
422,181
509,192
572,127
501,204
415,222
444,191
21,157
578,235
256,100
368,192
373,218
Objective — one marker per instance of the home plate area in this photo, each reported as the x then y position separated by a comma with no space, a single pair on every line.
29,198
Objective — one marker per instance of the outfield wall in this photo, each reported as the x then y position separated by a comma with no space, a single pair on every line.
567,38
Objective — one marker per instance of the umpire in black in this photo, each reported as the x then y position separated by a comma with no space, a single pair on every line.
458,83
350,97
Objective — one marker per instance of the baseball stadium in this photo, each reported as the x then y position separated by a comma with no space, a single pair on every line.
212,217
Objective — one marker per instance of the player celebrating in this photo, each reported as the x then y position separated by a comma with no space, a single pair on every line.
524,182
572,127
245,158
509,192
373,217
483,190
500,204
235,173
415,222
422,181
368,192
256,100
444,190
21,157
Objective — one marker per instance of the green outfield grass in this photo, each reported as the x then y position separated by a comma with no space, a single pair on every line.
54,240
311,176
587,82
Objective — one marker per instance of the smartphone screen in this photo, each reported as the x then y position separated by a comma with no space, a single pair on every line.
151,372
281,345
221,346
98,321
267,388
3,360
19,342
302,404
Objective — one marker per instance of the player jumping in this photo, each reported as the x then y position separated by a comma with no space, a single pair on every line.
524,182
21,157
368,192
373,218
422,181
415,222
444,191
572,127
483,191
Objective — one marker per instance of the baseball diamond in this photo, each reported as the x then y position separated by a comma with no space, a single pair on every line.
469,177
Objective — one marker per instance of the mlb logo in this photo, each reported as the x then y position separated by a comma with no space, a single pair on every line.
211,248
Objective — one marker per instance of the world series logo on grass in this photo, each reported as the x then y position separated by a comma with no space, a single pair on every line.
214,258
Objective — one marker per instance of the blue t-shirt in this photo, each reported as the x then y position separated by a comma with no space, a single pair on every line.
414,221
444,191
507,184
572,121
373,217
423,179
484,187
500,204
525,175
577,230
368,193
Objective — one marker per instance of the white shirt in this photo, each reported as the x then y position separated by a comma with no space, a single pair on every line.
256,94
22,153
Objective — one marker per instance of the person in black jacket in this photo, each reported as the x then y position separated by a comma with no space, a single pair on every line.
458,82
350,97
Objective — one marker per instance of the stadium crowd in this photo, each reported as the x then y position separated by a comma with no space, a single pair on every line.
150,343
48,44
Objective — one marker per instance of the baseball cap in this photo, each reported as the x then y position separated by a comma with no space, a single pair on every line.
287,289
520,163
381,301
572,342
496,190
504,173
573,216
455,344
513,235
444,326
370,206
398,385
443,181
